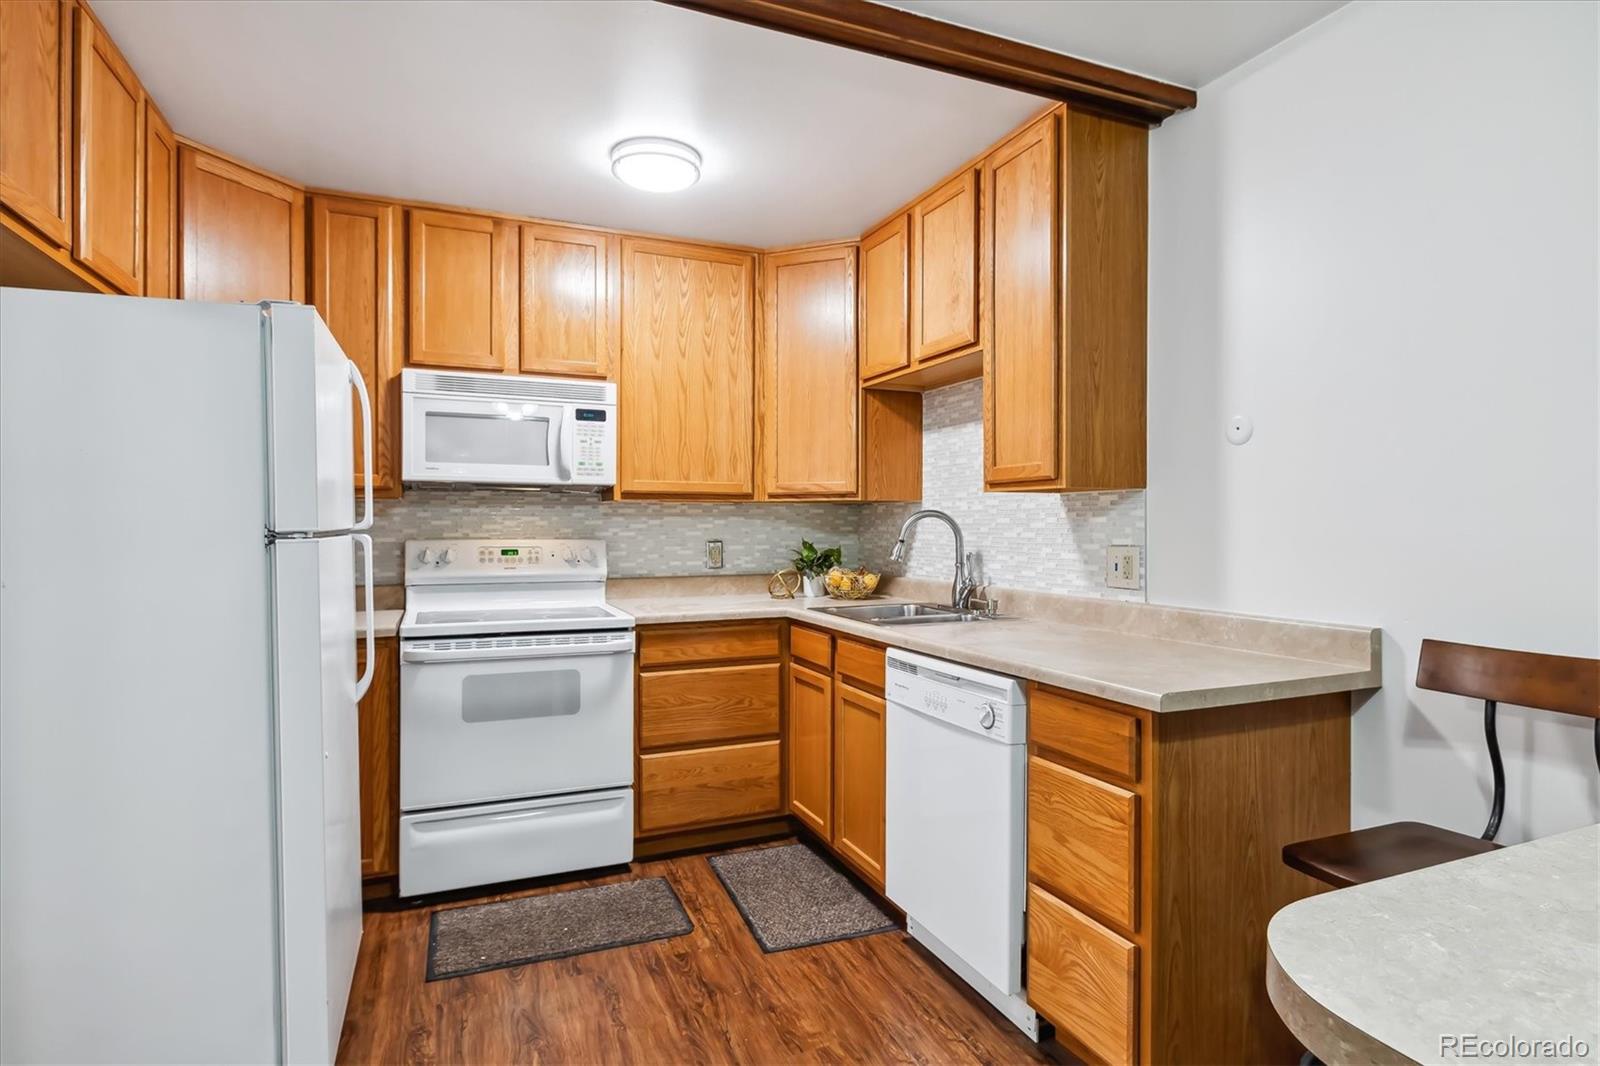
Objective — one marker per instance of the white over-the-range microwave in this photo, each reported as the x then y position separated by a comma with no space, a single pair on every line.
508,429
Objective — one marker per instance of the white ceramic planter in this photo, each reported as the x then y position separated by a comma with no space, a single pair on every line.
814,585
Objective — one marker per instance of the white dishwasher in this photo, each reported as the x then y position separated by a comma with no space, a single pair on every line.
956,820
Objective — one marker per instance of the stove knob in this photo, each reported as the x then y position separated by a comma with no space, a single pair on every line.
425,556
446,556
987,718
588,556
570,556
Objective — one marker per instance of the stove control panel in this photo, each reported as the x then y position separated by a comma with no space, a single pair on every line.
430,561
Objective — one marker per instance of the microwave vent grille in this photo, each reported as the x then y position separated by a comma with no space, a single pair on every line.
511,387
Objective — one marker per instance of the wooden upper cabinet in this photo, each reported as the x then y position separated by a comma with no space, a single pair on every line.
858,825
810,405
944,268
1022,384
36,114
569,300
462,291
160,205
885,298
355,272
1064,373
810,748
242,232
686,381
107,235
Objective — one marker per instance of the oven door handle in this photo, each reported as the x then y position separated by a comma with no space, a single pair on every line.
469,650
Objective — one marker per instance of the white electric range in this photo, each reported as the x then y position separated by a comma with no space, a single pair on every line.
516,713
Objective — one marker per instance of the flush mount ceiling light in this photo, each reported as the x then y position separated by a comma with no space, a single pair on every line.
655,164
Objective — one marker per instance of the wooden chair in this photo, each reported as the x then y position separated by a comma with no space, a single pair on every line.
1544,682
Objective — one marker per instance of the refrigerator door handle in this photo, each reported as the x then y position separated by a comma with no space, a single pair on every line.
365,681
366,450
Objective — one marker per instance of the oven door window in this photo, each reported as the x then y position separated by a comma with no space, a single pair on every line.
509,438
526,694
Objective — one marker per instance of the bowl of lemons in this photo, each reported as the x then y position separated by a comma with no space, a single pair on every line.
857,584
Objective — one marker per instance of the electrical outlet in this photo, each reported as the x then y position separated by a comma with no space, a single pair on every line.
1122,566
713,555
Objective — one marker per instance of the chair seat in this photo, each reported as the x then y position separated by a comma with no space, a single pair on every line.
1355,858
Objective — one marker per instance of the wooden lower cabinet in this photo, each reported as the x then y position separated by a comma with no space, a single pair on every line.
858,768
811,748
378,721
709,786
836,745
709,702
1153,869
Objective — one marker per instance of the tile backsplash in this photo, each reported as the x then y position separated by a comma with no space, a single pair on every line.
1051,542
643,539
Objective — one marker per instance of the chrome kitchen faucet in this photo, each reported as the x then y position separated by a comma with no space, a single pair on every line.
962,586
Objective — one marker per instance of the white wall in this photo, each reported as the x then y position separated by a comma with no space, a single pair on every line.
1379,240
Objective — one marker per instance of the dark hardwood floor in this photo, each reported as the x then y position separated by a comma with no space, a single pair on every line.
712,996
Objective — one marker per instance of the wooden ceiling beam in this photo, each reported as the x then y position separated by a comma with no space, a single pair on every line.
926,42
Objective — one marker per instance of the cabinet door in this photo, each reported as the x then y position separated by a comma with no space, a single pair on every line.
242,232
378,722
885,298
811,748
568,300
355,251
108,237
462,292
160,205
1022,366
810,423
686,385
944,268
36,114
858,719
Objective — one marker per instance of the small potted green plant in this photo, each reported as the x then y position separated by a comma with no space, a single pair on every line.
812,563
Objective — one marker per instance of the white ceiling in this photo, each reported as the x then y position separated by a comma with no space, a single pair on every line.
1186,42
512,106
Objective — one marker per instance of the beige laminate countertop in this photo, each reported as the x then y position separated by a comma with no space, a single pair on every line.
384,623
1493,949
1151,672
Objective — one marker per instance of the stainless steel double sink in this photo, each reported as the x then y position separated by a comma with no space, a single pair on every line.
901,614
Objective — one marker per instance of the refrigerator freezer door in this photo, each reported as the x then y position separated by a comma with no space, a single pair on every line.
319,830
309,414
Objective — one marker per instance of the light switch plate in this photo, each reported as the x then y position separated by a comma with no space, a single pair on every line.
713,555
1122,566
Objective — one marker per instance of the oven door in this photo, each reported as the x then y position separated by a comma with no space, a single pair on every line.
498,718
485,440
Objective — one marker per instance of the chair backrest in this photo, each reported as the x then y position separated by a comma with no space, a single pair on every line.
1561,683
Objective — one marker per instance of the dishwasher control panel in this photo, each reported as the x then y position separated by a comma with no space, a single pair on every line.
991,705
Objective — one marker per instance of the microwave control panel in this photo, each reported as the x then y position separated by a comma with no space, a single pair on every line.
593,442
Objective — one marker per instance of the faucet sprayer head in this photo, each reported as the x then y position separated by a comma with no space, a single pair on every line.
899,551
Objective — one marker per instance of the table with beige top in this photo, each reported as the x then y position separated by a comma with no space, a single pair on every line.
1492,958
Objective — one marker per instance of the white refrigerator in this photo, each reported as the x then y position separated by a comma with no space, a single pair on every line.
179,841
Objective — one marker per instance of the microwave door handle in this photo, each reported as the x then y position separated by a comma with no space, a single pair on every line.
360,385
560,431
365,681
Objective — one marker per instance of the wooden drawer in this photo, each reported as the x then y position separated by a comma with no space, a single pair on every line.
1083,977
708,704
1083,840
812,646
686,645
708,786
860,664
1100,739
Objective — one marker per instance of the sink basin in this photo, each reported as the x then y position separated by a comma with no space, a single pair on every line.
900,614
